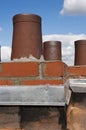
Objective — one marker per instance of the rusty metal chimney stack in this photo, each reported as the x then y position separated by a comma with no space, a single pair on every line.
27,36
80,52
52,50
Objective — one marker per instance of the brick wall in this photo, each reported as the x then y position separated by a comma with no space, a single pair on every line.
77,71
32,73
39,73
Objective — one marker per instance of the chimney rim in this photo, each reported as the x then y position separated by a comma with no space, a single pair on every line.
80,42
52,43
25,17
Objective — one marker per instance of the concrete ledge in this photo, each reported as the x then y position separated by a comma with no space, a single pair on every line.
78,85
33,95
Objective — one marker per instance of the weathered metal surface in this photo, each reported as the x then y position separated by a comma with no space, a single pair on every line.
67,92
78,85
52,50
27,36
80,52
33,95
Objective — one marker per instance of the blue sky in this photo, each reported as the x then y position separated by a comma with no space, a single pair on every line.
52,21
63,20
48,10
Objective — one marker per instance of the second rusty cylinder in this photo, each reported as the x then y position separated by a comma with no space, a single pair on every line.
80,52
27,36
52,50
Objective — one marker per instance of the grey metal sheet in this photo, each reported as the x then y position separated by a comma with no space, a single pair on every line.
67,92
78,85
32,95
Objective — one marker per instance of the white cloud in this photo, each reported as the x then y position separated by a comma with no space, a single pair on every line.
5,53
67,45
74,7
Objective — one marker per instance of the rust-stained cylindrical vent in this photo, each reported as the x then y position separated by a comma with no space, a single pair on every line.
27,36
52,50
80,52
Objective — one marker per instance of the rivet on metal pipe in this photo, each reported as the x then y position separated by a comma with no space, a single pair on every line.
27,36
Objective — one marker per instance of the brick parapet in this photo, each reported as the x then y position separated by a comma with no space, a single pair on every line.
77,71
31,73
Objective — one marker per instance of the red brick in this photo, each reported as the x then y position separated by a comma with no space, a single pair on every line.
19,69
53,69
6,82
77,71
42,82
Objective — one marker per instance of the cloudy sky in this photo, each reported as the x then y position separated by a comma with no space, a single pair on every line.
63,20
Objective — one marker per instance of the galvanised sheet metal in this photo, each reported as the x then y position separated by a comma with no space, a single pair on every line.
33,95
78,85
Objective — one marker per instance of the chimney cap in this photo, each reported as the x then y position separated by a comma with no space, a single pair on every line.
80,42
52,43
26,18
